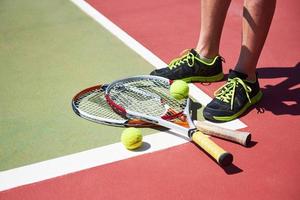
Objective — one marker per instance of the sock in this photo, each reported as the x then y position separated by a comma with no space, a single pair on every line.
205,59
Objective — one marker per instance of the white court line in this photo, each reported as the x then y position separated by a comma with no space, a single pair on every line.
79,161
83,160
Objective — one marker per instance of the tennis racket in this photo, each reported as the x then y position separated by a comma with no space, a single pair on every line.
91,104
147,98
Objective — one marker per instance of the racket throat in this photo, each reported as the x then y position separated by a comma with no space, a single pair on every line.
150,120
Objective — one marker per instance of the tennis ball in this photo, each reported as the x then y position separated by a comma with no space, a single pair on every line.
132,138
179,89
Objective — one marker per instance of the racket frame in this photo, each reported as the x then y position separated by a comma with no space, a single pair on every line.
162,121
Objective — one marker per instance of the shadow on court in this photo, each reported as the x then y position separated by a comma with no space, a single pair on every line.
283,97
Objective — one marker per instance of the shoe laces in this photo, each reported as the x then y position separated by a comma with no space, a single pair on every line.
226,93
185,57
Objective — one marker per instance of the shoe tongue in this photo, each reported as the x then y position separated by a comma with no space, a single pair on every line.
233,74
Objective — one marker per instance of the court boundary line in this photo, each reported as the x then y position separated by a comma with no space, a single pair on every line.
64,165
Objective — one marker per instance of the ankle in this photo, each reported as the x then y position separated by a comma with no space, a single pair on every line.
206,57
207,52
251,75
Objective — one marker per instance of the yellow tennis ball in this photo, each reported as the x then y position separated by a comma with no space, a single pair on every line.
132,138
179,89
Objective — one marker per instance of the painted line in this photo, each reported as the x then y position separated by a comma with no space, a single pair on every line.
119,33
84,160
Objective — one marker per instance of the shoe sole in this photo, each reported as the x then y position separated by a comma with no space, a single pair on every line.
206,79
254,100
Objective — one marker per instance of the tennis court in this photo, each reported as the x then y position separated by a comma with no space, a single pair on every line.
50,50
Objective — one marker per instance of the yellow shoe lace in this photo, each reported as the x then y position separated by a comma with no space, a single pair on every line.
185,56
226,92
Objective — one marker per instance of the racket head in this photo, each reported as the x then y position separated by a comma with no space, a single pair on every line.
145,95
91,104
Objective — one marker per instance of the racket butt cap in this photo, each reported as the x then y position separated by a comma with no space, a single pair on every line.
248,140
225,159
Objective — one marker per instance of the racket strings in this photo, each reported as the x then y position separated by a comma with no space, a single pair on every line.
147,96
136,102
133,95
95,104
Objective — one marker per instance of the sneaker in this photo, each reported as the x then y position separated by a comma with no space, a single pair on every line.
232,99
189,68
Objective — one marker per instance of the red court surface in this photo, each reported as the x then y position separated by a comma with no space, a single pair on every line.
266,170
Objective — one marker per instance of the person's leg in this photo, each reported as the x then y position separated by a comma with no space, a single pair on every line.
213,14
202,64
257,17
242,88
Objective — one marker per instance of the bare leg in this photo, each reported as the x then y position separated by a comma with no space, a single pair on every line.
213,14
257,17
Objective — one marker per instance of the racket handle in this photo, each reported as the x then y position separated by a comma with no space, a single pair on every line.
220,155
241,137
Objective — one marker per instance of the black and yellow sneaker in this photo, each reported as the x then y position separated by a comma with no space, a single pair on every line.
189,68
232,99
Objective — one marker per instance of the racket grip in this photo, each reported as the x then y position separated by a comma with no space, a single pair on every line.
220,155
241,137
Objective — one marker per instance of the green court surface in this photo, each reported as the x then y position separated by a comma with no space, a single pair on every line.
49,51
